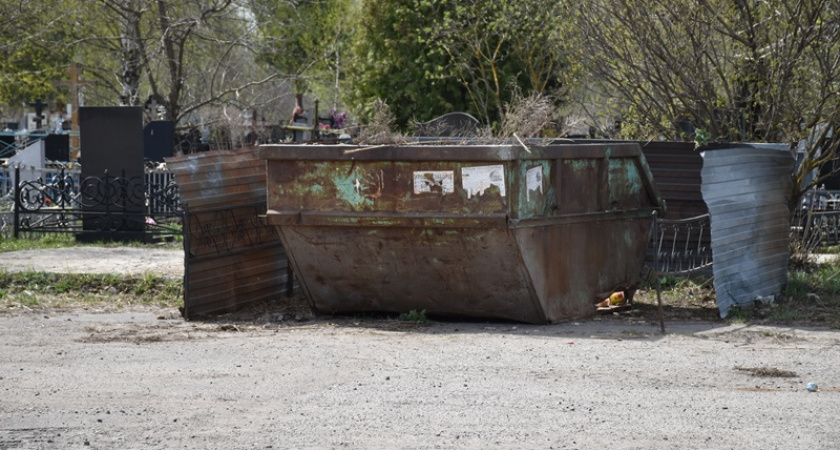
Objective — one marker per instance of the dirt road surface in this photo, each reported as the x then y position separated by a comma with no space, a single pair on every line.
164,261
145,379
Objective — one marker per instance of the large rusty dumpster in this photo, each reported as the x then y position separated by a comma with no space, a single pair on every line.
533,234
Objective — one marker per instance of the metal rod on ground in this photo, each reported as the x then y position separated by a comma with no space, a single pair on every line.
656,274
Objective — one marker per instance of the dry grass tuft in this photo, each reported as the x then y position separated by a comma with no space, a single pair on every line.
379,130
527,117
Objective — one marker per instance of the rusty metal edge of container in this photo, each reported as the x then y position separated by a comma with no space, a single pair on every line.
451,152
465,153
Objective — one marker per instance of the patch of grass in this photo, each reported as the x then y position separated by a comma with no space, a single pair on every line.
779,336
59,240
634,333
811,298
739,315
415,316
32,289
26,298
52,240
787,314
678,283
825,280
767,372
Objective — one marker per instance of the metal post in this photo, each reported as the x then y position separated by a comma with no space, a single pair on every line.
290,278
185,312
16,231
656,274
315,135
62,189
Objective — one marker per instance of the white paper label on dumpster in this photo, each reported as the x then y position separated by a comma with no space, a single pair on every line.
475,180
533,181
436,181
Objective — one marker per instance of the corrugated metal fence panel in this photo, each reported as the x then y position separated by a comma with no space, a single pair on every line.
216,179
233,257
746,188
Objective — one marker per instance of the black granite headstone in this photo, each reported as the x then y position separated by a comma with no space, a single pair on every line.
455,124
112,172
57,147
158,138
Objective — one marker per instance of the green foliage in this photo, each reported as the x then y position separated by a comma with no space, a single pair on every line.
426,58
501,48
35,49
415,316
306,40
393,63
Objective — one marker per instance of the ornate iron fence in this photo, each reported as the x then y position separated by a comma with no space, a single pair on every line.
682,246
93,208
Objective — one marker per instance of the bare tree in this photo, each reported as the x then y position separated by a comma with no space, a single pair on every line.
720,70
181,55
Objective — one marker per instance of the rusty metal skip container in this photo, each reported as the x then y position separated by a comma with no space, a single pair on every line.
533,233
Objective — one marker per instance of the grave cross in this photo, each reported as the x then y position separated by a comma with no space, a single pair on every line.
152,108
39,109
76,85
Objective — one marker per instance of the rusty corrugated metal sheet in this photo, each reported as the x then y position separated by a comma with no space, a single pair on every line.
219,178
468,230
676,168
233,257
747,188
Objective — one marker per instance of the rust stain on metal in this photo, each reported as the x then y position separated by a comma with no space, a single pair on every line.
233,257
478,231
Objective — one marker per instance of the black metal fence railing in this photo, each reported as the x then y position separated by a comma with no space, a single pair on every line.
813,229
680,247
109,207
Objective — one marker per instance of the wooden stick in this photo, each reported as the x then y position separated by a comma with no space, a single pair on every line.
521,143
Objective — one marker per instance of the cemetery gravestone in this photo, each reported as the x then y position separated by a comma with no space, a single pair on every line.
112,173
158,137
455,124
57,147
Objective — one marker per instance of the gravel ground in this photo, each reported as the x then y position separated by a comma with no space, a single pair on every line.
165,261
145,379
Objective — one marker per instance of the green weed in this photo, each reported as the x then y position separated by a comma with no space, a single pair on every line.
54,290
414,316
739,315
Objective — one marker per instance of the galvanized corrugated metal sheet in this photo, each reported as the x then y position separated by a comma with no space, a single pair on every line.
747,188
233,258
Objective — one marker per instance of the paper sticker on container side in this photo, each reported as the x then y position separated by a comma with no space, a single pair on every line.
476,180
434,181
533,181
